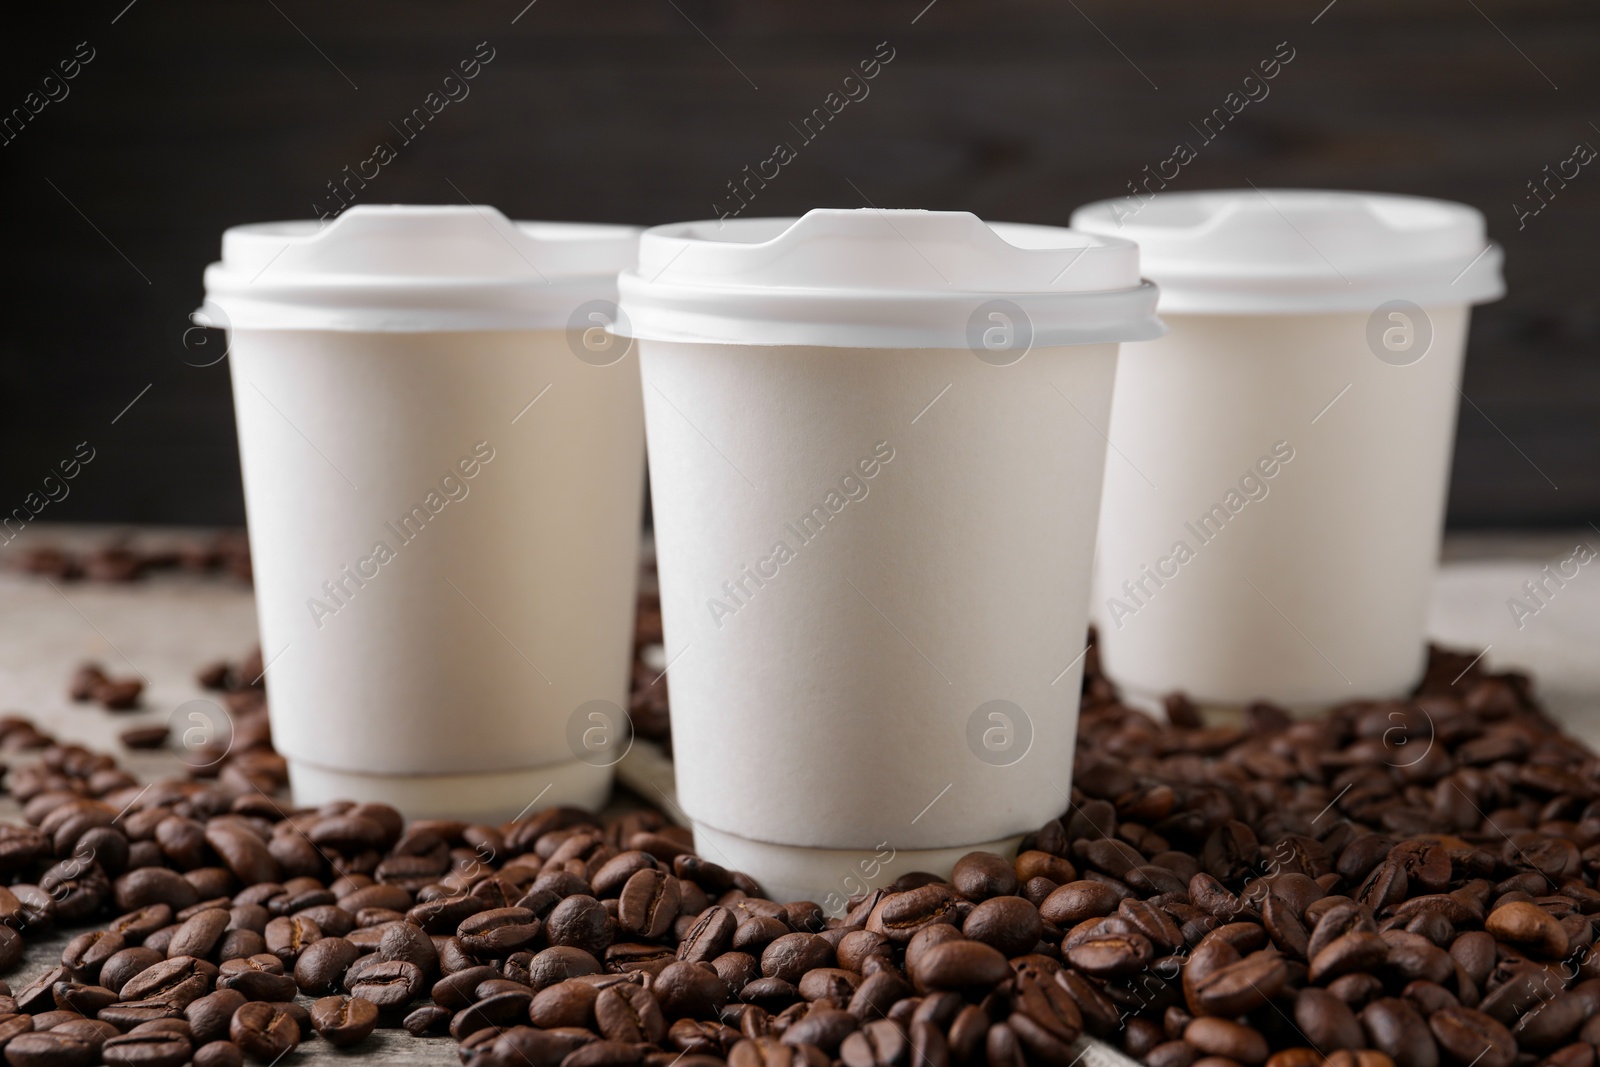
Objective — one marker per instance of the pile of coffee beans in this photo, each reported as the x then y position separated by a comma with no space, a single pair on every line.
120,561
1399,884
91,682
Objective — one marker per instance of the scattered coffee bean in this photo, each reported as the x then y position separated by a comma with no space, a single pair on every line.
263,1032
344,1021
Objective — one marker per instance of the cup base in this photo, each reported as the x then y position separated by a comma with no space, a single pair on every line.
487,798
830,876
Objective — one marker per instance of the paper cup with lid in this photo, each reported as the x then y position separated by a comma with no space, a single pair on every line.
443,456
1275,500
876,447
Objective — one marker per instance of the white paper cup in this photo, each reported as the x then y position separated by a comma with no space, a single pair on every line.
875,540
1274,506
443,487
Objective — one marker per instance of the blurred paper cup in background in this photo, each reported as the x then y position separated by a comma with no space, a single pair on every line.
876,447
443,468
1275,502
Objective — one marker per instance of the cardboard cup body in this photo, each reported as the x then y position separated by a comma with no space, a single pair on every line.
445,575
1273,513
874,570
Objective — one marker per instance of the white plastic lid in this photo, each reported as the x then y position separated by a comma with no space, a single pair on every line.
881,279
405,268
1274,251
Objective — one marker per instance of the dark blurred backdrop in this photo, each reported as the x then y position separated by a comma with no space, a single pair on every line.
191,117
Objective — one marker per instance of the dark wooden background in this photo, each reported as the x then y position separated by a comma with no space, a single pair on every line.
196,116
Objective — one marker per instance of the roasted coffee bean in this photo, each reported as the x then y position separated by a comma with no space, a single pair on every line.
709,937
694,990
638,957
320,968
402,941
565,1004
498,931
246,854
789,957
1001,1047
1153,922
12,1024
1326,1021
219,1054
1528,927
878,993
1396,1029
49,1049
756,932
288,936
151,1049
899,916
343,1021
1008,923
630,1013
1551,1023
959,965
879,1043
581,922
426,1020
694,1038
1288,933
557,964
88,952
1223,1037
199,935
826,983
1358,951
1101,1017
856,946
1469,1036
86,1000
981,875
1033,864
390,985
525,1045
502,1008
443,916
1111,951
1430,997
95,1031
457,991
823,1028
1241,987
39,995
1075,902
210,1015
264,1032
1047,1006
259,984
177,982
1474,951
648,903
